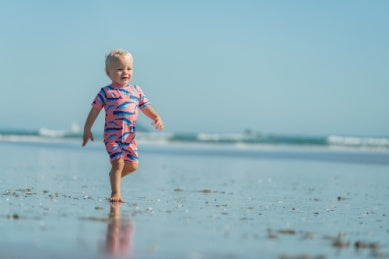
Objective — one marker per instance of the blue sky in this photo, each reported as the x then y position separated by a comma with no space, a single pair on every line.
291,67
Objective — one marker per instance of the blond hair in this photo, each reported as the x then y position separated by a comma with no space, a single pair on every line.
114,55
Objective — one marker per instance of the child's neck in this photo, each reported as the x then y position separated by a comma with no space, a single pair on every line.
113,84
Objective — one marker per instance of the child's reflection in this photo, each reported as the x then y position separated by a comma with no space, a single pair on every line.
119,233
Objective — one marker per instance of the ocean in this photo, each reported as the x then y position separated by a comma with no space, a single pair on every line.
249,138
355,149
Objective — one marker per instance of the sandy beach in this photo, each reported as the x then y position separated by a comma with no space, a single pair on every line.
194,201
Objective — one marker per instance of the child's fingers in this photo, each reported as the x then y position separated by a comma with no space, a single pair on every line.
158,124
86,139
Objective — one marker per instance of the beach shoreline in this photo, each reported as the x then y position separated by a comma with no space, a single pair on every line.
195,201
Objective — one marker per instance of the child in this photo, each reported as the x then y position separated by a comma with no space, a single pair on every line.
121,101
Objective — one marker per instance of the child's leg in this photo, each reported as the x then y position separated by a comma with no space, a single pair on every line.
115,177
129,167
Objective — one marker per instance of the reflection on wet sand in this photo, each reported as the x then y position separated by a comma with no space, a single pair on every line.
120,231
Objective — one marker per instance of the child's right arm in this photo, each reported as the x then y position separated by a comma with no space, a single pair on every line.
88,125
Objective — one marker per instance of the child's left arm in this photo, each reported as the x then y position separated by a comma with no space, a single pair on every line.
153,115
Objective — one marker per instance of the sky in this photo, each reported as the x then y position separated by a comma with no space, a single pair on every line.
286,67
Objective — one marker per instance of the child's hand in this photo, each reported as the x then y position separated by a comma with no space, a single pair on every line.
158,123
87,136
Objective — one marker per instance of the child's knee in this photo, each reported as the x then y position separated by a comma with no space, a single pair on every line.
129,168
117,164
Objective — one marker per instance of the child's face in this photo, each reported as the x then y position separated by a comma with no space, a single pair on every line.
120,70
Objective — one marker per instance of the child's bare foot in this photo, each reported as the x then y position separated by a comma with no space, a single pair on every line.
115,197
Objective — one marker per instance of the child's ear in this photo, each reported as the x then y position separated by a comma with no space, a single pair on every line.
107,72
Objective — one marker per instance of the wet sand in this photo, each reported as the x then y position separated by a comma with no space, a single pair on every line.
193,202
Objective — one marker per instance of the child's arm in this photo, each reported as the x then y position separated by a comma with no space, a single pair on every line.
88,125
153,115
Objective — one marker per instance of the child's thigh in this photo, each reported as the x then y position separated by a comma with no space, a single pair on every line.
118,164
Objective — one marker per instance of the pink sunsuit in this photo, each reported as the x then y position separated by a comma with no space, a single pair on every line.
121,112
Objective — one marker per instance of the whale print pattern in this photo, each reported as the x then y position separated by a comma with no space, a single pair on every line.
121,112
127,151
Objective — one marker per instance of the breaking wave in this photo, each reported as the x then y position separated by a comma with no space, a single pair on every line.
50,135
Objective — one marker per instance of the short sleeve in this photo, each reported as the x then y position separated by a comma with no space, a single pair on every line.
99,100
143,100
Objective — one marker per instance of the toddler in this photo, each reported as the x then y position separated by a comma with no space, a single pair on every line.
120,101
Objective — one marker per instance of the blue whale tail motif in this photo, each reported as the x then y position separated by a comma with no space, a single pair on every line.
132,157
110,107
132,97
123,105
112,123
113,99
115,155
120,113
124,91
112,129
111,137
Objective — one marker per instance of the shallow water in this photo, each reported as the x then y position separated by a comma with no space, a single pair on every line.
193,201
